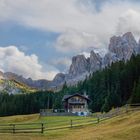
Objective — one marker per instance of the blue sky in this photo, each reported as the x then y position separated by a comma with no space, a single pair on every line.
27,39
39,38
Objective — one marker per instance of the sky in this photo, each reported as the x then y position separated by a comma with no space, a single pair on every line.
38,38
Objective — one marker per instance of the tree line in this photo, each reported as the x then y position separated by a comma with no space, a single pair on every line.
110,87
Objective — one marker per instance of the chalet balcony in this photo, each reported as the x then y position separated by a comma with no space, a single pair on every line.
76,102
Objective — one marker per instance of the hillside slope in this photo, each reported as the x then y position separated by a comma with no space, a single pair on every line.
124,127
14,87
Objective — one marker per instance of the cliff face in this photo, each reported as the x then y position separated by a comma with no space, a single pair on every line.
58,80
79,66
95,62
123,46
138,49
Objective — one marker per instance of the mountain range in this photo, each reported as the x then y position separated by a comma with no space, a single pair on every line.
120,48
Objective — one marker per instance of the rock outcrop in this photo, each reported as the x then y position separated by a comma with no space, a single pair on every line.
123,46
79,66
59,79
138,50
95,62
109,59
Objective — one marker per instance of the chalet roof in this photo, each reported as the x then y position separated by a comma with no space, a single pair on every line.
66,97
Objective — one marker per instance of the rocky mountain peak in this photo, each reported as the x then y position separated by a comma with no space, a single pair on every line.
59,78
79,65
128,36
123,46
95,61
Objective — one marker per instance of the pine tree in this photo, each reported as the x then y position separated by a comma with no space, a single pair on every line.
136,93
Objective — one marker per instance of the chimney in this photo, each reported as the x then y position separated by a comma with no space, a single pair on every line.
85,94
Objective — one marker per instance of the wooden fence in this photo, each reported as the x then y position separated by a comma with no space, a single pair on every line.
58,125
22,128
44,127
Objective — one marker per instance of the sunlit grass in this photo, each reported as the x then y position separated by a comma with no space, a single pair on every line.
123,127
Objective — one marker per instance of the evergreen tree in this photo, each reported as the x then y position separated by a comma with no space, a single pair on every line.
136,93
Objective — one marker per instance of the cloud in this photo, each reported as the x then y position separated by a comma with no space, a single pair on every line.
74,41
61,63
129,21
14,60
60,15
78,15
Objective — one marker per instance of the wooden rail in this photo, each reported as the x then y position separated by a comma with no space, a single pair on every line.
22,128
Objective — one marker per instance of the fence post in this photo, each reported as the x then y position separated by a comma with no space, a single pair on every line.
42,128
13,128
71,123
98,119
126,107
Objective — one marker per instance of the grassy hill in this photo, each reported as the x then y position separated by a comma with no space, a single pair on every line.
123,127
15,86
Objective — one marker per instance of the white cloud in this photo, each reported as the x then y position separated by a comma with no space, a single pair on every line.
60,15
74,41
129,21
61,63
13,60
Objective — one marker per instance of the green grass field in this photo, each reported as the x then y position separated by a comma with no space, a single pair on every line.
49,123
123,127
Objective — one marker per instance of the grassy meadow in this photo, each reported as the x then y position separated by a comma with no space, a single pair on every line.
123,127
